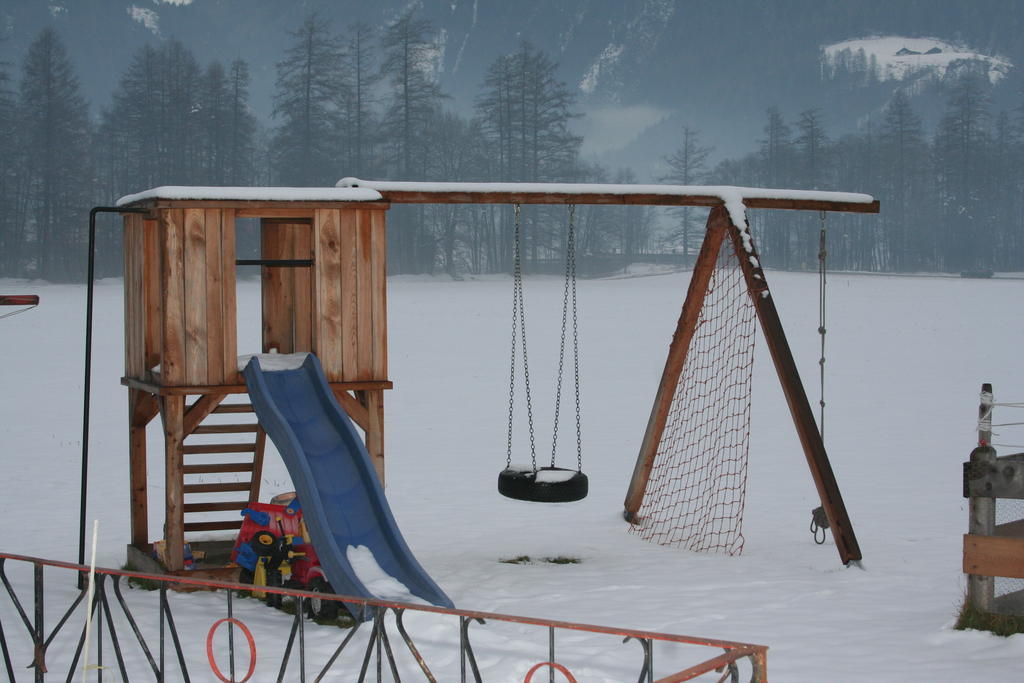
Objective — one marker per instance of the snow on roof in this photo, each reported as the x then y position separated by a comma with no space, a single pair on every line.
267,194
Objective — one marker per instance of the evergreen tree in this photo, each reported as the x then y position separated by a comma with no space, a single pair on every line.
902,178
776,157
227,125
960,146
412,105
240,162
688,166
54,129
525,111
309,85
12,238
157,126
811,147
356,103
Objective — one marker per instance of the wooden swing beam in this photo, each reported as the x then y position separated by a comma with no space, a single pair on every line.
614,195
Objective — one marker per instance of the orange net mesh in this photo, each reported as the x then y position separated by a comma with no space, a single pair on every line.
697,488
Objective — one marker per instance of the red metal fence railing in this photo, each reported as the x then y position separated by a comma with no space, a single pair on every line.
142,647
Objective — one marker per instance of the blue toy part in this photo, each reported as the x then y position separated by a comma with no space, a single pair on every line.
247,557
257,516
343,501
293,507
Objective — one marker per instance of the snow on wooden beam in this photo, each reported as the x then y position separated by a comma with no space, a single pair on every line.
225,195
583,193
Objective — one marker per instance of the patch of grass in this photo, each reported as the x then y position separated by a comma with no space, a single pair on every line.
526,559
999,624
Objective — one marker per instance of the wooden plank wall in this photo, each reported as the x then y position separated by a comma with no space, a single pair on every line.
287,292
350,335
134,297
197,287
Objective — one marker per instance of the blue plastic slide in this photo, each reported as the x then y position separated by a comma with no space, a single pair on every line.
342,499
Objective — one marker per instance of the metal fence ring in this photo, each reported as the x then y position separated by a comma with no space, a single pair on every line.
252,649
554,665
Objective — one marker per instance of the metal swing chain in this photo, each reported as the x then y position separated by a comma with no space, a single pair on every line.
519,329
819,520
822,263
570,289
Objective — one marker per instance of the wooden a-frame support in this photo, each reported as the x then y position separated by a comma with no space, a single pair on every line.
719,226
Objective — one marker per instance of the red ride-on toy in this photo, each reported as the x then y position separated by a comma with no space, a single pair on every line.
273,549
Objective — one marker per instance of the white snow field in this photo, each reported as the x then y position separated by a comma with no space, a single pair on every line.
906,358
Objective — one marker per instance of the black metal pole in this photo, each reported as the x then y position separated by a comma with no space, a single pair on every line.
87,381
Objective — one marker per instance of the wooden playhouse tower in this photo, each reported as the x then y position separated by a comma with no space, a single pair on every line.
323,263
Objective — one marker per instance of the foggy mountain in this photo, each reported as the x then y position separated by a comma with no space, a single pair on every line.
641,69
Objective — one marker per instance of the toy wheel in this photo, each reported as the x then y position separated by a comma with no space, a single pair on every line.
264,538
321,610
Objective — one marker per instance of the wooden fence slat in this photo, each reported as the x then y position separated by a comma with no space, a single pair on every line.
364,295
378,285
274,244
196,367
228,275
328,268
134,293
994,556
303,287
172,362
215,319
349,296
152,303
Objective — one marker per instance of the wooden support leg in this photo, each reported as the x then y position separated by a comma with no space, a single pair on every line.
703,269
373,400
142,407
172,411
796,397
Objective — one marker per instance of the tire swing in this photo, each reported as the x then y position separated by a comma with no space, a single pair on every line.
546,484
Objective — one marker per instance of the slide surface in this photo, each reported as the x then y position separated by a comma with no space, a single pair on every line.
343,502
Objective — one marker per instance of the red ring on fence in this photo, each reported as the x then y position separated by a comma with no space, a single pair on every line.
554,665
252,649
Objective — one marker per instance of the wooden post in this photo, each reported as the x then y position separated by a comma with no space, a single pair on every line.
982,509
703,269
172,412
796,397
142,407
373,400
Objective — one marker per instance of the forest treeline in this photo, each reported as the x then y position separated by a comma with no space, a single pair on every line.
365,103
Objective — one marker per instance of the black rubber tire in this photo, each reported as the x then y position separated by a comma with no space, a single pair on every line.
245,575
321,610
523,486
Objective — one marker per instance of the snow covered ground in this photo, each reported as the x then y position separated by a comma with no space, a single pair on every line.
906,360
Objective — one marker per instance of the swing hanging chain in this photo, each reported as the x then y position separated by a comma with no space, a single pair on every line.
519,330
575,334
569,290
519,334
822,267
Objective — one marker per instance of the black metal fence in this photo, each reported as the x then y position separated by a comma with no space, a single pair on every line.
127,649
